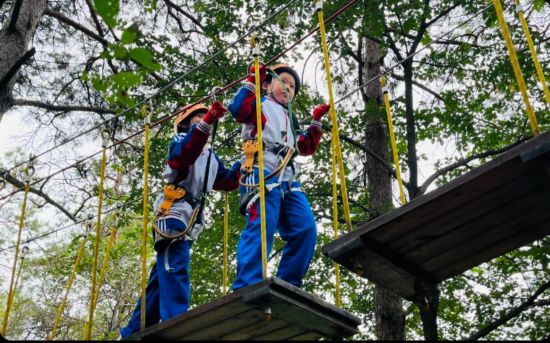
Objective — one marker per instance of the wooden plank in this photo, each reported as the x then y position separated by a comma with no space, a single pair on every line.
421,210
240,315
468,212
527,233
470,220
453,238
260,329
286,332
230,324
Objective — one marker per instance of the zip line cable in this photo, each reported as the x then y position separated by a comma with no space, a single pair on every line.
168,85
166,117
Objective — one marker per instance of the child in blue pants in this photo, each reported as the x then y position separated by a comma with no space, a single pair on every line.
287,208
168,289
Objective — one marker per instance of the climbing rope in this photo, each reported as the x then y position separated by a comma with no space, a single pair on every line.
225,241
335,148
517,69
384,84
106,254
540,73
28,173
104,144
256,55
71,280
147,124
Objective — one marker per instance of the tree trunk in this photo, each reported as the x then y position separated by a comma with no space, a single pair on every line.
414,191
389,307
15,36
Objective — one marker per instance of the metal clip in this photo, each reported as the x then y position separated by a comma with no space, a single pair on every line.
104,137
519,8
318,5
147,112
254,42
24,251
215,91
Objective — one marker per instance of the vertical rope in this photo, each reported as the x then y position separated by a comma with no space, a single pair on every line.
11,292
336,147
69,285
384,85
538,67
225,242
104,143
517,69
256,53
147,122
105,263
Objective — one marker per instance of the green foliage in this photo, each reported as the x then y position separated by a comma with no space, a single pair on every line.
108,10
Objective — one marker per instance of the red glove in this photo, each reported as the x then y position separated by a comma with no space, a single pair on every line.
320,111
252,70
216,111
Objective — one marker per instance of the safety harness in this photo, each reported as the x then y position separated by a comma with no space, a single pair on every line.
250,149
172,193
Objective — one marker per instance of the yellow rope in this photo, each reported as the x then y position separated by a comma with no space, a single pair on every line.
256,54
69,285
11,292
540,73
105,262
336,147
517,69
104,136
147,118
384,85
225,241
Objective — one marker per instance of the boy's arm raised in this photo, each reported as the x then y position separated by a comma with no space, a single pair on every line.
308,142
184,150
243,104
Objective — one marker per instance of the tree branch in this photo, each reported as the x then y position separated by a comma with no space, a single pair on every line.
180,10
510,315
76,25
64,108
463,162
15,15
9,178
419,85
15,68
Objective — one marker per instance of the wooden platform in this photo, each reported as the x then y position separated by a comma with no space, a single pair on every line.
487,212
295,315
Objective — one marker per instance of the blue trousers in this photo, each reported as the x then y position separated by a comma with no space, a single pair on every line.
289,213
167,294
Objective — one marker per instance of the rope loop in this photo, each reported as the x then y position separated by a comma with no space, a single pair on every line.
104,137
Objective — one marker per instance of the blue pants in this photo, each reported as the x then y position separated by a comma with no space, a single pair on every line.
289,213
167,294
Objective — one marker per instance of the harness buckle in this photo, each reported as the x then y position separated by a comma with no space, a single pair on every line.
250,148
171,194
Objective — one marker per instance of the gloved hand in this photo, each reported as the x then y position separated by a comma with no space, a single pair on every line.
320,111
216,111
252,70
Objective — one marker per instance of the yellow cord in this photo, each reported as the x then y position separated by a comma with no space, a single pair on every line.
383,83
11,292
225,241
540,73
88,334
517,69
260,154
104,265
147,118
336,147
68,289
